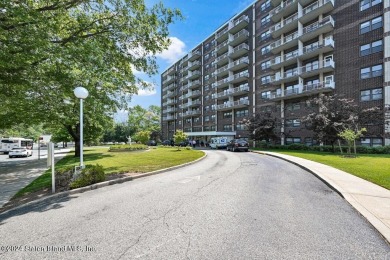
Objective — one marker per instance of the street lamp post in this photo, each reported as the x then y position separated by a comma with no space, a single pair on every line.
82,94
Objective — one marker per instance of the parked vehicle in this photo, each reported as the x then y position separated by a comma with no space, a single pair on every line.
7,144
152,143
183,143
219,142
167,142
237,145
20,152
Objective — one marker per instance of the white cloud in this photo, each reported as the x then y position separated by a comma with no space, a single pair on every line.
175,51
146,92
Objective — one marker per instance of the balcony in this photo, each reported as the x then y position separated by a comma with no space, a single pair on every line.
284,43
222,47
315,9
287,76
194,55
233,92
191,104
171,86
285,8
288,24
195,93
222,59
194,84
239,37
316,48
191,113
170,71
233,104
304,91
194,65
316,68
171,102
171,94
169,79
222,83
222,35
194,74
244,75
239,50
239,24
168,118
239,64
222,71
284,60
321,27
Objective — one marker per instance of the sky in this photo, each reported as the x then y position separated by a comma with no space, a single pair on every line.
201,19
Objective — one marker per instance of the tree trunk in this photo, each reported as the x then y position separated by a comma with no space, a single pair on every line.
75,133
77,148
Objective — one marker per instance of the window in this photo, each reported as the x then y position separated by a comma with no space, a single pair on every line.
266,95
371,94
207,118
241,127
266,109
242,113
293,106
265,50
371,25
188,120
365,4
265,20
265,5
212,117
266,79
265,35
227,127
227,115
371,142
370,48
376,46
293,123
308,141
293,140
370,72
265,65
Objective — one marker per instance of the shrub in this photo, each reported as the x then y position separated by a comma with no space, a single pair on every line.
124,147
89,175
63,177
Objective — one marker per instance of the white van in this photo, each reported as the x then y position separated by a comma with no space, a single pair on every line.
219,142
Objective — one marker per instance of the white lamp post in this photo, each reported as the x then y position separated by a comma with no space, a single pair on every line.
82,94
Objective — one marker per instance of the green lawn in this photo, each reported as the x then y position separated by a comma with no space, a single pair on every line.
119,162
372,167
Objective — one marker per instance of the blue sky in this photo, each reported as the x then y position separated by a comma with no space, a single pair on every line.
202,18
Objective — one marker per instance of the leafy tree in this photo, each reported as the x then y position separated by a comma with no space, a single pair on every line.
142,136
50,47
350,136
144,119
179,137
262,126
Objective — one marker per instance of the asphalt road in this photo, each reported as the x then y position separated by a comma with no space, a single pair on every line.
227,206
16,173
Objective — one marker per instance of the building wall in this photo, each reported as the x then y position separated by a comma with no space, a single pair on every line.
294,50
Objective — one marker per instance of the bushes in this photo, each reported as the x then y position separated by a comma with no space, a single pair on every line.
124,147
66,179
89,175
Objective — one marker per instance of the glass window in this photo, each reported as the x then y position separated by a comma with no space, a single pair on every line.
376,23
376,142
365,95
377,94
266,94
365,73
365,27
375,2
376,46
365,49
377,70
365,141
265,50
365,4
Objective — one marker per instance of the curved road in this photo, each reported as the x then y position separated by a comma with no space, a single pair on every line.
227,206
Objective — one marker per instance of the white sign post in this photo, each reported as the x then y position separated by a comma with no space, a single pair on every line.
50,162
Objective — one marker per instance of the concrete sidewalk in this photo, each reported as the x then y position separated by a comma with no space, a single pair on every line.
371,200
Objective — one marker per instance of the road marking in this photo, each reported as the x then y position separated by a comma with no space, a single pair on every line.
189,179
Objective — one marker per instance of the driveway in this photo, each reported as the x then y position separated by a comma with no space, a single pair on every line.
17,173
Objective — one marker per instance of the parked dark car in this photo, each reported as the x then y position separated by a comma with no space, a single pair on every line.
167,142
152,143
183,144
237,145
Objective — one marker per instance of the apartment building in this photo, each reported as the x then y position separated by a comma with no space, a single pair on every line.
273,56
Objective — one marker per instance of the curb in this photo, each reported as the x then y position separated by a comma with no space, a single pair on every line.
375,222
100,185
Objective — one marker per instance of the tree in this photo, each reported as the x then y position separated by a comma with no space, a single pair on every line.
329,116
262,126
350,136
50,47
142,136
179,137
144,119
